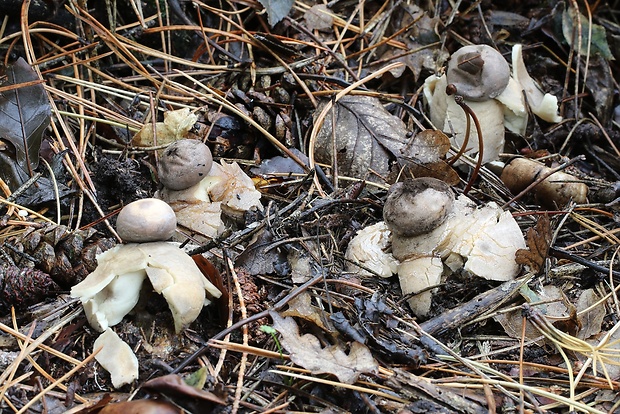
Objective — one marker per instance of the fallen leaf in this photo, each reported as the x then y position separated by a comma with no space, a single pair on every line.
552,307
141,407
366,137
24,115
422,59
600,84
176,126
591,320
538,240
598,42
276,9
609,367
306,351
260,258
301,307
173,385
213,275
424,156
319,17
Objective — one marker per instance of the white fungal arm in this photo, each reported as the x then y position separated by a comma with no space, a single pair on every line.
544,105
114,301
113,289
116,357
418,275
370,248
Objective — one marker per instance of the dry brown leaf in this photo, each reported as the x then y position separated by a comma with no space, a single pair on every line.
141,407
306,351
301,307
173,385
424,156
592,320
538,240
363,135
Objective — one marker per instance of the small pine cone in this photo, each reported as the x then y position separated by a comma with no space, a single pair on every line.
23,287
65,255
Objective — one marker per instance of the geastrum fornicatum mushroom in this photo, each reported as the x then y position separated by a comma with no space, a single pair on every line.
112,290
435,233
198,190
482,77
184,163
146,220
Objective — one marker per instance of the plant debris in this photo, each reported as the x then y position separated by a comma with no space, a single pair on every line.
299,122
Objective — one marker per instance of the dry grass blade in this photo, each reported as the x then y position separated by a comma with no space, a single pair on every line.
604,353
29,348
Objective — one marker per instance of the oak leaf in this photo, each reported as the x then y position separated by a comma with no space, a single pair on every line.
538,240
307,352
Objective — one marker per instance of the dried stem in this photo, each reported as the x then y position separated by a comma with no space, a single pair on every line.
460,101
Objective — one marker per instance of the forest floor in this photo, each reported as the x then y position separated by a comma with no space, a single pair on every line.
324,108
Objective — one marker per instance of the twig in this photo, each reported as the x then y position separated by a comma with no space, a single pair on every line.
563,254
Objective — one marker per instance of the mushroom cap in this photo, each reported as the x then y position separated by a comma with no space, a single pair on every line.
184,163
146,220
417,206
479,72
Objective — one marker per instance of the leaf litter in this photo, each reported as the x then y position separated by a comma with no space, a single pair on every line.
248,80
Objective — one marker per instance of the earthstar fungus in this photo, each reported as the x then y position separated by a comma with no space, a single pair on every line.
483,78
434,233
201,199
112,290
184,163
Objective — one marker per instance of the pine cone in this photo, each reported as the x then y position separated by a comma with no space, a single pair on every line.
24,287
65,255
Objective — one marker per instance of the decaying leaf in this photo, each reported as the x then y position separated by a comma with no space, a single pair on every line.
424,156
598,43
176,126
552,306
142,407
174,385
422,50
590,314
363,135
318,17
259,258
600,84
538,240
24,114
277,9
301,307
608,366
306,351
